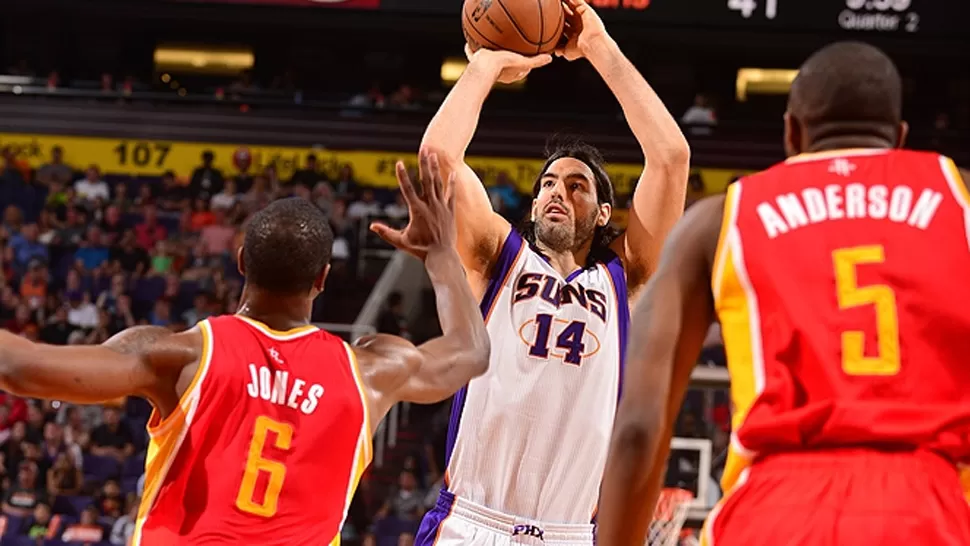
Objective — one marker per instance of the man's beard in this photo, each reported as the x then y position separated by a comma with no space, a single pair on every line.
565,236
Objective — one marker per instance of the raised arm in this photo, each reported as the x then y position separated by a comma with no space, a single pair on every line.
139,361
481,230
658,200
393,368
669,324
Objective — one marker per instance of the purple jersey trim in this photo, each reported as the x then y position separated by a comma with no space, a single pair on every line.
506,260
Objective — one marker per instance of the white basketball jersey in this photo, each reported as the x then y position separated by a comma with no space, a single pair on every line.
530,437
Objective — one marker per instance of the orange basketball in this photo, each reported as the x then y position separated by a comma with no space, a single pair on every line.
529,27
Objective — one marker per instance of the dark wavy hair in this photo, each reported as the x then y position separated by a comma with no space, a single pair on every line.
575,148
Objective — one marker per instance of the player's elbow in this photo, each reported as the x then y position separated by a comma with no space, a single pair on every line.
674,155
637,437
431,144
476,357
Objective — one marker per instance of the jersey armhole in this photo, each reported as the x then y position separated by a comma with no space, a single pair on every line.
366,430
728,219
958,187
158,426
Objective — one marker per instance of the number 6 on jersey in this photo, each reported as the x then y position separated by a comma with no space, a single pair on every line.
256,463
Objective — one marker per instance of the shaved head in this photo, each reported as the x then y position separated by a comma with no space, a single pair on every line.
847,89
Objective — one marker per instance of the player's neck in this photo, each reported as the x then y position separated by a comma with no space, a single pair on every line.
847,143
567,261
278,312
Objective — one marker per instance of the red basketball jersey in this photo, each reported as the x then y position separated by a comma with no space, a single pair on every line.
841,285
266,447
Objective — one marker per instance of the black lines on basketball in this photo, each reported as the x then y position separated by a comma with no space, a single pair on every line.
514,25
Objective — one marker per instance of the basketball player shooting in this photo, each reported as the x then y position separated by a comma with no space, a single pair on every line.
838,277
262,423
528,441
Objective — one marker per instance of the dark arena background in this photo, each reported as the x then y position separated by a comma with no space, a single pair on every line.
110,218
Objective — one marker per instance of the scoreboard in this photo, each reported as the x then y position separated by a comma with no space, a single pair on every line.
928,18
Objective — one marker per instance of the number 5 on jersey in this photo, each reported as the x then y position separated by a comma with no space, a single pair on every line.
257,464
880,296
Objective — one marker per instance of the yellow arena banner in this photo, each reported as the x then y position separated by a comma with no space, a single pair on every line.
142,157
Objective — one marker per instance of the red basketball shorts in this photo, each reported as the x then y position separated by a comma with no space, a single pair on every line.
844,497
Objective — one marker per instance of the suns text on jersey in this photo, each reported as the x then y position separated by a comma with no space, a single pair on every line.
275,388
900,204
554,291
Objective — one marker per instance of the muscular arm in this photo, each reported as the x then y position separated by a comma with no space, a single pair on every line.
131,363
396,370
480,230
669,323
658,200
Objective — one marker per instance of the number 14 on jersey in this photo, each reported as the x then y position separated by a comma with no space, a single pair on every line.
747,7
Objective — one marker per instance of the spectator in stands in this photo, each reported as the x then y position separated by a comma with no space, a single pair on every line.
82,312
129,256
21,320
201,309
366,207
92,187
403,508
86,531
206,180
24,494
77,422
55,445
40,522
110,500
124,528
397,210
322,197
161,314
33,287
26,247
122,200
112,226
74,226
700,116
55,170
108,300
201,215
149,232
391,320
173,196
112,438
225,199
258,196
35,424
216,238
309,176
91,252
346,187
57,330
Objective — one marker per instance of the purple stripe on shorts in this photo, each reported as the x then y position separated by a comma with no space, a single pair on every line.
506,259
615,267
428,532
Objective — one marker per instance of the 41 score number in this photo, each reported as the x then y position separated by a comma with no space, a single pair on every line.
748,7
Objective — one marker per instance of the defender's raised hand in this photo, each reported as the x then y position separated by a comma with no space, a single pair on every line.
431,221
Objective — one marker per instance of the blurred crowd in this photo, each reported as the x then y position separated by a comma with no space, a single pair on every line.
87,255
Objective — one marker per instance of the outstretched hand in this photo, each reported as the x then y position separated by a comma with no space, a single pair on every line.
513,66
431,221
583,28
